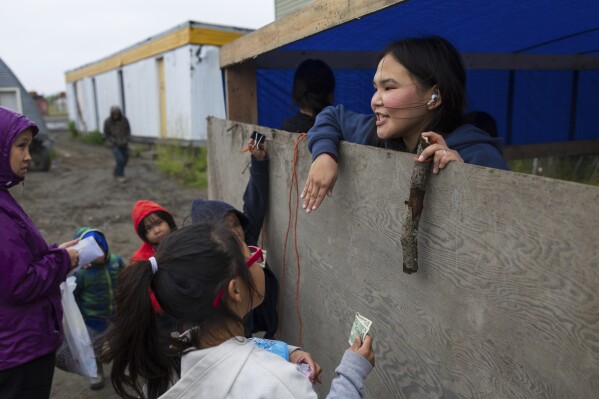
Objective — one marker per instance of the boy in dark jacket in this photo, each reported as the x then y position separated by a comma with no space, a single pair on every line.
247,226
116,136
95,294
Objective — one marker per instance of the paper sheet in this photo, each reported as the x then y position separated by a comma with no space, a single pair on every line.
88,249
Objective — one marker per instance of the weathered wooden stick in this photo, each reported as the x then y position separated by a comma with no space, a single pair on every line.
409,237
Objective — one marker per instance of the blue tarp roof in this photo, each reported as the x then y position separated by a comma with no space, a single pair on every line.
546,105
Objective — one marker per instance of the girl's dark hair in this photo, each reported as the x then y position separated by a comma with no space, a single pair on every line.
167,217
194,264
313,85
433,61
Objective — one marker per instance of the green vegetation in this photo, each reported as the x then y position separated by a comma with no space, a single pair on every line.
187,164
135,150
581,169
73,128
53,153
94,138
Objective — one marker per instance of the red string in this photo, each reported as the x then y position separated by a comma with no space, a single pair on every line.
293,183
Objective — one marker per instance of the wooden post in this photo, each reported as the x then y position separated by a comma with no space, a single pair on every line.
415,203
240,82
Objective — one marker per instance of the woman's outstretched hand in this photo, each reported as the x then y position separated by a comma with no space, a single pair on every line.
321,179
441,153
364,349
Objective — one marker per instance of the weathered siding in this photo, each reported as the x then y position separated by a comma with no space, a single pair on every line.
505,303
193,91
207,94
142,98
177,75
108,94
87,104
71,104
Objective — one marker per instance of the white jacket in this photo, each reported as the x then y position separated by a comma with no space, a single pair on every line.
239,369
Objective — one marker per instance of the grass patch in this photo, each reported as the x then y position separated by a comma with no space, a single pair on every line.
187,164
53,153
580,169
135,150
73,128
94,138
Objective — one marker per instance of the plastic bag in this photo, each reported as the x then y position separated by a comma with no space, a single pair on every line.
76,354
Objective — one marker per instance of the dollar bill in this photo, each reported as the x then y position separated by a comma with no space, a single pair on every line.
360,327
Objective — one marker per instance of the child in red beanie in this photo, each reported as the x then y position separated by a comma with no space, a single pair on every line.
152,223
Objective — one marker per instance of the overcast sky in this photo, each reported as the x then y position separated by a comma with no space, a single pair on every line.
41,39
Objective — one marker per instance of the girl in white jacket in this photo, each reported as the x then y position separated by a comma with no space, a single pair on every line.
208,280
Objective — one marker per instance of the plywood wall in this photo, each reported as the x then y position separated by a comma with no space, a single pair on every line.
506,301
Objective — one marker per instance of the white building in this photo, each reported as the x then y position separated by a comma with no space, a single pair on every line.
166,85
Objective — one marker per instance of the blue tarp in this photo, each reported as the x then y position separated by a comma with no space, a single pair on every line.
544,108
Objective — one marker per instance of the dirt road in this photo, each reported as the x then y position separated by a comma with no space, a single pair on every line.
80,191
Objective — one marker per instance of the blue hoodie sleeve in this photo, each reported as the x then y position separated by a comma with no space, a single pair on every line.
255,199
334,124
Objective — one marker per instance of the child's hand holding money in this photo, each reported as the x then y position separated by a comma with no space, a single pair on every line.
364,348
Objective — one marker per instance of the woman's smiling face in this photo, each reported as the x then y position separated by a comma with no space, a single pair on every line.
399,103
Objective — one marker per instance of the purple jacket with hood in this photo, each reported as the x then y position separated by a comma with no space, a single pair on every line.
30,271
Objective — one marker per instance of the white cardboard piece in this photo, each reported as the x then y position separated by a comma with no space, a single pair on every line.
88,249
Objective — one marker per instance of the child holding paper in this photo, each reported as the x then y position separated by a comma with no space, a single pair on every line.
95,293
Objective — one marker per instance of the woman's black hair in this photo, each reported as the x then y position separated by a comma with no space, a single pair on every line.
142,232
313,86
484,121
194,264
433,61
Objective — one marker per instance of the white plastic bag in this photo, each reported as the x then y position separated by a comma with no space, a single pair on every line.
76,355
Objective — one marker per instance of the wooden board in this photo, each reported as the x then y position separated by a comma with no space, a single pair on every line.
505,303
315,17
290,59
241,97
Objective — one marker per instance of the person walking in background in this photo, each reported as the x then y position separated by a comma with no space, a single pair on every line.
313,89
95,294
30,276
116,136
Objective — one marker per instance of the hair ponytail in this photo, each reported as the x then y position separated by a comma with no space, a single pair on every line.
135,344
193,265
